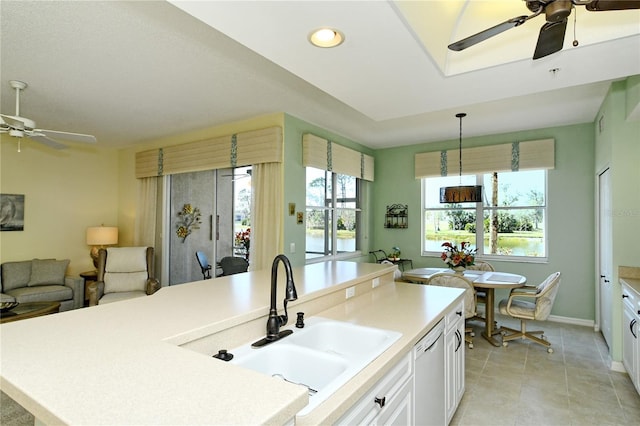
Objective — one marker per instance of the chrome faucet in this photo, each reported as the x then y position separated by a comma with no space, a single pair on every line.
275,321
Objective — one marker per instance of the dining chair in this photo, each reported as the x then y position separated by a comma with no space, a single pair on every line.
446,279
205,266
481,295
530,303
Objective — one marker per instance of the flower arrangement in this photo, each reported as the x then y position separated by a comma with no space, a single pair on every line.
188,219
454,257
243,238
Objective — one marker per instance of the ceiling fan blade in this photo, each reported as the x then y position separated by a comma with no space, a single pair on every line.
605,5
39,137
74,137
488,33
12,121
551,39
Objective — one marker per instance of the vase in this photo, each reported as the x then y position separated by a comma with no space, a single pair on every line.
458,270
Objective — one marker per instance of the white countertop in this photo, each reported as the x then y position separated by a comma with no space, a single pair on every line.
633,283
119,363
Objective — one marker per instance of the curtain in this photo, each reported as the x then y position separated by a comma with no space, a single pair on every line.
326,155
516,156
145,224
266,214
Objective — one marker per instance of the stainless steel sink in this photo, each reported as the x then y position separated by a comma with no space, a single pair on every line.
322,356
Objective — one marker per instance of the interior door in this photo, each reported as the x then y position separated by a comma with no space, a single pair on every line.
605,290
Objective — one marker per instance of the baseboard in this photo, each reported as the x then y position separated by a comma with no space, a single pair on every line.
617,366
574,321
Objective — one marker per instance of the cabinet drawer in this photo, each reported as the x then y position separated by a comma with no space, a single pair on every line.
366,409
454,315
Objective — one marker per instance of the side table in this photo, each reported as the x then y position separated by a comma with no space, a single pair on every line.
89,277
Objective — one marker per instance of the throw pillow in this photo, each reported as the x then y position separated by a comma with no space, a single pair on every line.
47,272
15,274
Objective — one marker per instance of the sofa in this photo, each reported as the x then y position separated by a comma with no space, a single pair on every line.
41,280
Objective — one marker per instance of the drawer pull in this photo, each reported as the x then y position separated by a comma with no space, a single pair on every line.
380,401
459,313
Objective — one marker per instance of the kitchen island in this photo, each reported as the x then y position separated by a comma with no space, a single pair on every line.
148,360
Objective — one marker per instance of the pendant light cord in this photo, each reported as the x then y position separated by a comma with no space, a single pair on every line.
460,116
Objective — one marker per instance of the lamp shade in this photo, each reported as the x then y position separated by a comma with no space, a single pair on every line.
461,194
102,235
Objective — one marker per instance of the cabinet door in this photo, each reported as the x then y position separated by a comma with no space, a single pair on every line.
451,344
459,365
629,337
400,411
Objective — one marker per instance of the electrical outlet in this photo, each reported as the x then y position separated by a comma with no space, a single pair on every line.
375,282
351,291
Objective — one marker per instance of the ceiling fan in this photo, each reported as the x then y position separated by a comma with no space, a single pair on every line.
20,127
551,36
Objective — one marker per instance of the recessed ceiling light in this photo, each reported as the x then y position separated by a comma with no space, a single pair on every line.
326,37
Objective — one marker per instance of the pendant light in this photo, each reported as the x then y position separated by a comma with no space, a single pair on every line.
460,193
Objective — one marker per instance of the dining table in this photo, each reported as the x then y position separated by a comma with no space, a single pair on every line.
488,281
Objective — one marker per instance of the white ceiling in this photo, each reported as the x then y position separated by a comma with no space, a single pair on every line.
133,71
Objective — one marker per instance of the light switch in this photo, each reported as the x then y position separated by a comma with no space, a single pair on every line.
292,248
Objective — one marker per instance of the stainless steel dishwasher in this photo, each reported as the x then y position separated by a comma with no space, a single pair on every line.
428,383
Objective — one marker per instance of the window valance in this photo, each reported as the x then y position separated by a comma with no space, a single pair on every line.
538,154
326,155
240,149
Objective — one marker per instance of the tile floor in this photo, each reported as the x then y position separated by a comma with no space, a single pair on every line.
522,384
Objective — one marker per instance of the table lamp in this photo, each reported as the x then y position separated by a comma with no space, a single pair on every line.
98,237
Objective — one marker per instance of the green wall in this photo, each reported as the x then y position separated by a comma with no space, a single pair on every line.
570,212
617,138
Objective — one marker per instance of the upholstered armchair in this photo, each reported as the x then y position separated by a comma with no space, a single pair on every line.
123,273
446,279
530,303
481,295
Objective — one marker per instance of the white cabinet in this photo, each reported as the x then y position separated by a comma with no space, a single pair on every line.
388,402
630,338
454,359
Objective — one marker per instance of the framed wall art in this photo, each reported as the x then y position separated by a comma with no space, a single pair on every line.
11,212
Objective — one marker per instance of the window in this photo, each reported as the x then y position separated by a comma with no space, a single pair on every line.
333,214
509,223
241,179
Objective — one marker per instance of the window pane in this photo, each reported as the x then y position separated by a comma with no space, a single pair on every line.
515,188
241,199
455,226
318,233
316,187
346,187
346,230
515,232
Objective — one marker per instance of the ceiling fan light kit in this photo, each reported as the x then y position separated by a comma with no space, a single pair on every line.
551,37
19,127
461,193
